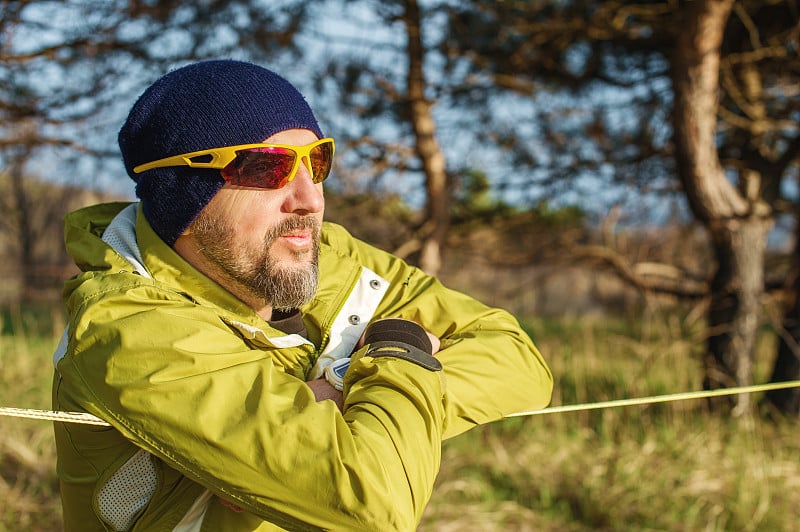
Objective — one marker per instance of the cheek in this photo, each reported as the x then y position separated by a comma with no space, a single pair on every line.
251,211
319,215
254,227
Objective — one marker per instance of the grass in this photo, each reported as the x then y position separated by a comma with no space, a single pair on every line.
666,467
28,487
671,467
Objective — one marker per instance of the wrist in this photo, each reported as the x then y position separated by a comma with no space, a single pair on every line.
399,338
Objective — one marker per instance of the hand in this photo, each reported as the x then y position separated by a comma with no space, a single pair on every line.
435,342
323,390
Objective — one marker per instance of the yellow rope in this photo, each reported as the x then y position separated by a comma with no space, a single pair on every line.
89,419
67,417
662,398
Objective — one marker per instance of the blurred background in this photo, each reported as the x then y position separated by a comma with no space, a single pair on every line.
621,175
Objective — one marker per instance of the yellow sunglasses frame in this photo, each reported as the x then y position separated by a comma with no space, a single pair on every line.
222,157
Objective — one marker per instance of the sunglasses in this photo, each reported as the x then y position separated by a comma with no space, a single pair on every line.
267,166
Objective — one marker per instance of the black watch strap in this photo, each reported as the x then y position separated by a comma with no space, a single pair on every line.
398,329
399,338
406,352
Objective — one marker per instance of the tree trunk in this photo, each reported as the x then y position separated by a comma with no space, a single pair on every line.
437,220
738,230
733,315
24,232
787,363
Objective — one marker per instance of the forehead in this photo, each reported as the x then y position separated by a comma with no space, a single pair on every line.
293,137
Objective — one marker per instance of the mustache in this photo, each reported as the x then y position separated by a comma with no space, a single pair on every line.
292,224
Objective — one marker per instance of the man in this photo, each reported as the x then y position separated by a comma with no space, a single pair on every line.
260,369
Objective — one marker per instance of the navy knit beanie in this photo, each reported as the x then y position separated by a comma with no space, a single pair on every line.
205,105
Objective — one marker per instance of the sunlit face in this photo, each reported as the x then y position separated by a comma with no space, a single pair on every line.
263,245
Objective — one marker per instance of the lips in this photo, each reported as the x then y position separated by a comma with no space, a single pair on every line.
298,233
298,238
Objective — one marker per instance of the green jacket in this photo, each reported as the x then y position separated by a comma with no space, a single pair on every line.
208,405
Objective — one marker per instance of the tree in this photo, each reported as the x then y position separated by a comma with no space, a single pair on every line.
738,223
427,147
787,363
710,86
382,76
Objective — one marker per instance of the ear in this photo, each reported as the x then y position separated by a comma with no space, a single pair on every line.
183,245
188,230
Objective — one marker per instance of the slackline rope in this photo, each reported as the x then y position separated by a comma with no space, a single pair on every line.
89,419
663,398
67,417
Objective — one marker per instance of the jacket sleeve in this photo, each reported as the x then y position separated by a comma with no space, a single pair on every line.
177,382
492,367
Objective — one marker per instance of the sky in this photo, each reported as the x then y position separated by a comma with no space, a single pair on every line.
359,32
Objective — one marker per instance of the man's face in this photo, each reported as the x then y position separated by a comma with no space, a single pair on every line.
263,245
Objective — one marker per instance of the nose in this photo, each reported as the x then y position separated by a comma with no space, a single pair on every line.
303,195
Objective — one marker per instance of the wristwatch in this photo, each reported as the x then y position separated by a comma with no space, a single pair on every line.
389,337
336,371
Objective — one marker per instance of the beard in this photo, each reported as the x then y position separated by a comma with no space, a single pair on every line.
256,270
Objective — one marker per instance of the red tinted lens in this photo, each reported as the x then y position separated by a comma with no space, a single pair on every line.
321,159
260,167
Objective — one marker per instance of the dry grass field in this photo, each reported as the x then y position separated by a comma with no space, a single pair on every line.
670,467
